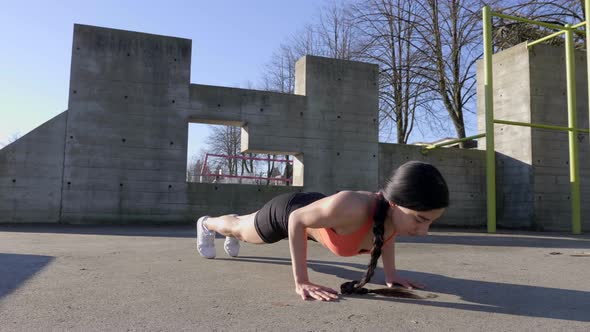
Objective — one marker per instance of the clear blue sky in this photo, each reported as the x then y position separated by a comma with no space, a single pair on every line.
232,40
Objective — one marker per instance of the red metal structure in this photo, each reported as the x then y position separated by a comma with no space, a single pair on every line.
205,172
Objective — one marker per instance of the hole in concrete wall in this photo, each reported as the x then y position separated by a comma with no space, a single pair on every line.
125,97
173,101
214,156
13,180
123,140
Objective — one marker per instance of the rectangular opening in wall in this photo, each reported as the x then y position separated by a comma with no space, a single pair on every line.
213,156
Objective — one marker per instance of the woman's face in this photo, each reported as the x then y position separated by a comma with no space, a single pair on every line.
413,223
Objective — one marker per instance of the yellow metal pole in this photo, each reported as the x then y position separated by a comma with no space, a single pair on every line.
539,41
524,20
489,112
540,126
572,123
459,140
587,17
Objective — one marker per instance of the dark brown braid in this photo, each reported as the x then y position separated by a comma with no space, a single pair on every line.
356,286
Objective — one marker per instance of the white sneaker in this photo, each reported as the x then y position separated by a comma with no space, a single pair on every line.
205,239
231,246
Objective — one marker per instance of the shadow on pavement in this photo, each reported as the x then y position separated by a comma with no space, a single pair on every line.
512,239
16,269
483,296
177,230
530,240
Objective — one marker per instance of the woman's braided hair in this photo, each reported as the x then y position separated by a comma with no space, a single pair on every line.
414,185
356,286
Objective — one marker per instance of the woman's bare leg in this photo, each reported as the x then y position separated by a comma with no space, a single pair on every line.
240,227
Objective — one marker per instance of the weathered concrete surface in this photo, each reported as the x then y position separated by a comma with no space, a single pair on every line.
118,154
533,164
464,171
31,171
101,278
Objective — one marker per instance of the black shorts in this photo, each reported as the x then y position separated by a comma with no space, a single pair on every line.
272,220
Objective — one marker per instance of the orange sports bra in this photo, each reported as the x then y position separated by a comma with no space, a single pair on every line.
347,245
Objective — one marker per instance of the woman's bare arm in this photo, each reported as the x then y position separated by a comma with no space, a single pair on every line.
391,275
388,259
344,208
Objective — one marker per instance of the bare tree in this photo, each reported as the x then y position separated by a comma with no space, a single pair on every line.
306,41
11,139
332,36
508,33
450,36
337,32
194,168
550,11
225,140
389,39
279,73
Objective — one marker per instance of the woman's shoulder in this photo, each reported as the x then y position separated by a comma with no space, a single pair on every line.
361,196
355,200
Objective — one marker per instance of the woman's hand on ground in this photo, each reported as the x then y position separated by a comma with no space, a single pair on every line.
396,279
318,292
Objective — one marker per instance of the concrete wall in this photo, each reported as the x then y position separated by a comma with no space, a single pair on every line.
533,164
341,131
464,171
126,135
126,129
30,175
515,190
330,125
550,149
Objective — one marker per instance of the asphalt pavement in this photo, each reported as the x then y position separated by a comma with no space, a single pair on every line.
150,278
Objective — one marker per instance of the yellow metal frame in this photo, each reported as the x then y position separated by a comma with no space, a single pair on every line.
572,128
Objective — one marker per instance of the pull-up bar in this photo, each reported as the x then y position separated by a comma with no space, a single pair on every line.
572,128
